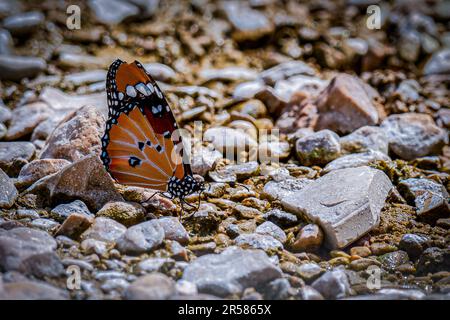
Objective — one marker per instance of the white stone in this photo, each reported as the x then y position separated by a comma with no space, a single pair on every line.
346,203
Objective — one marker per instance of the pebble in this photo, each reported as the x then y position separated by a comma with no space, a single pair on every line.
363,264
309,239
155,286
77,137
160,72
93,184
104,229
26,118
125,213
248,24
174,230
37,169
228,74
438,63
154,265
346,203
44,224
24,23
15,68
230,141
286,70
356,160
31,290
6,43
429,198
247,90
246,212
333,285
85,77
310,271
224,274
141,238
364,139
204,159
29,251
413,244
273,151
380,248
309,293
281,218
75,225
278,289
345,105
299,88
271,229
413,135
93,246
259,241
283,189
318,148
392,260
434,260
13,155
9,192
5,113
63,211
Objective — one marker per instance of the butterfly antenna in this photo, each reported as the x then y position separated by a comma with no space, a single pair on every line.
233,184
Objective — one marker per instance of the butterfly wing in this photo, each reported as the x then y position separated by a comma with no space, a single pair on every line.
138,147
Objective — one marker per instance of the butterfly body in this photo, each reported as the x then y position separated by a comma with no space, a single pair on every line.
140,146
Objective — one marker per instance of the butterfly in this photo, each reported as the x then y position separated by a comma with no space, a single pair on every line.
140,146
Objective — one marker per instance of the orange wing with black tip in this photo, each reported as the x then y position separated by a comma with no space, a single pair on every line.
138,148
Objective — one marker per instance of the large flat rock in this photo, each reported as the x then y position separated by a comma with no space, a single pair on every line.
346,203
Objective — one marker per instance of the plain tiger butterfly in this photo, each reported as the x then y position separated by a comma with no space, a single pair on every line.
139,147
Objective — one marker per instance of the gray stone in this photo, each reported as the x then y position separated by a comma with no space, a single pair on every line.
282,189
127,213
204,159
309,293
16,68
430,198
37,169
6,43
174,230
141,238
413,244
228,74
247,90
258,241
392,260
310,271
155,286
24,23
154,265
356,160
29,251
333,285
318,148
63,211
271,229
225,273
286,70
434,260
104,229
413,135
26,118
31,290
8,194
281,218
438,63
160,72
5,113
346,203
248,24
112,12
85,77
13,155
364,139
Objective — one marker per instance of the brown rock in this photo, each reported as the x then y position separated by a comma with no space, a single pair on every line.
127,214
360,251
85,179
75,225
77,136
8,193
309,238
345,105
38,169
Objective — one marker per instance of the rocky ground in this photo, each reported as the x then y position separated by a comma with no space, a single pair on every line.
360,191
